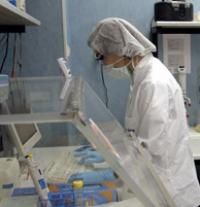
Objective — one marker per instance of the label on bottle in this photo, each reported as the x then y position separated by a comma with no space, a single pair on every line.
42,183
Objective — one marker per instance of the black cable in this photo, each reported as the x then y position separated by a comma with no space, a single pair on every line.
6,53
104,86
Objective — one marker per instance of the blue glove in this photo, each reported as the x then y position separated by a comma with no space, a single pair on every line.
91,157
83,151
82,148
93,177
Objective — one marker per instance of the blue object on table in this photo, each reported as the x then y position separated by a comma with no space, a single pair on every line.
24,192
62,198
82,151
88,155
93,177
95,195
13,2
82,148
91,157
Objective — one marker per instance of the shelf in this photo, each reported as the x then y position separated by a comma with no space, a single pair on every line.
177,24
173,27
12,16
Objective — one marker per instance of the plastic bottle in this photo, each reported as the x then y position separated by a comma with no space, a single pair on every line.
38,178
78,193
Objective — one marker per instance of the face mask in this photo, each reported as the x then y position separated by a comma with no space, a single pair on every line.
117,73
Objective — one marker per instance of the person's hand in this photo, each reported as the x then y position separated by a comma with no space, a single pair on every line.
91,157
93,177
88,155
82,151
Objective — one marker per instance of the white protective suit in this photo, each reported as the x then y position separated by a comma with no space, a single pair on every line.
155,108
156,113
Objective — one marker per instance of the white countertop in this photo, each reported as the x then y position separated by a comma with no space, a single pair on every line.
45,155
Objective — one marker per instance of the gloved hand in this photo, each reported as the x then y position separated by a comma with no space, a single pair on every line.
83,151
93,177
88,155
91,157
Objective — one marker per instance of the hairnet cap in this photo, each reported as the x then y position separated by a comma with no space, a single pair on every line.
119,37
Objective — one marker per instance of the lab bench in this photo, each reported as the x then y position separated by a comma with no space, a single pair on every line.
45,157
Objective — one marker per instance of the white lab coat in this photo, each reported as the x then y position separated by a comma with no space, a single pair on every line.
156,113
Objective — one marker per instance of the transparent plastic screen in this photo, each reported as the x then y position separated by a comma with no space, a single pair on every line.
128,155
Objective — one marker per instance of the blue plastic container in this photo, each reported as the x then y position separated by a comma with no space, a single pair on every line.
93,195
61,199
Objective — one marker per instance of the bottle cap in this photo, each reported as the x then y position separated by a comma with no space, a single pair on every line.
78,184
30,155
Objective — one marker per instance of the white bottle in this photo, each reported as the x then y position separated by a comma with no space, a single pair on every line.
38,178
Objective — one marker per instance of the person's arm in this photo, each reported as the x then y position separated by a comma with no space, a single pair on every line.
153,116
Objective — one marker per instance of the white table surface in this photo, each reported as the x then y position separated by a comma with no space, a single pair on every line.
46,155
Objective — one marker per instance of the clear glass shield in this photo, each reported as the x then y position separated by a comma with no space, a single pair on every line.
90,116
127,158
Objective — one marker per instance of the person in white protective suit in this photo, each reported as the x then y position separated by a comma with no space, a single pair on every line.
155,110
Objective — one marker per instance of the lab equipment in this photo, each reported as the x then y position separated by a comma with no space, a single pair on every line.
126,158
177,57
169,10
4,88
28,134
38,178
28,191
84,109
82,196
24,137
94,177
78,192
67,74
62,168
64,68
9,176
126,203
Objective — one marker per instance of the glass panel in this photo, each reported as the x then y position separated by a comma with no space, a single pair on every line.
35,95
125,156
98,125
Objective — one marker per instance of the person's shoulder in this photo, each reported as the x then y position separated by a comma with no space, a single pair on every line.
157,61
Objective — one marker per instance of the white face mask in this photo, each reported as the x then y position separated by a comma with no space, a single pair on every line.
117,73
